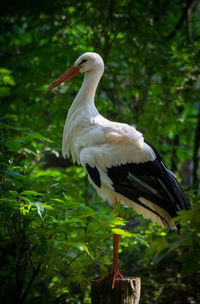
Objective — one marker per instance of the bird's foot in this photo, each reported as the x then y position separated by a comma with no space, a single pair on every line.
113,275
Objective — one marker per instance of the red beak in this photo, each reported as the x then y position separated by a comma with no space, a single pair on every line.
67,75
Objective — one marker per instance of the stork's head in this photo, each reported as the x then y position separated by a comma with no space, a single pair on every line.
89,61
85,63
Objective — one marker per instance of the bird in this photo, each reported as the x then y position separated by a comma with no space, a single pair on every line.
121,165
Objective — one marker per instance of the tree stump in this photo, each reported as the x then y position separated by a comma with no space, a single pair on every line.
126,291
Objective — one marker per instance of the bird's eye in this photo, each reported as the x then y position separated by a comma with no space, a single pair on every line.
83,61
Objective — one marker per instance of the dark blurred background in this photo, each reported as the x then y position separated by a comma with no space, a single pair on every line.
55,231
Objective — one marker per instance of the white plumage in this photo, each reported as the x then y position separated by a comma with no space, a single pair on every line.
102,144
120,164
92,139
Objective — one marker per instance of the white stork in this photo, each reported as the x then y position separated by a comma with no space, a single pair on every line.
121,165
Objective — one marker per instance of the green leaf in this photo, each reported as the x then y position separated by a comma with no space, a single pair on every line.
13,173
40,209
32,136
30,193
13,145
85,248
45,206
121,232
25,198
13,193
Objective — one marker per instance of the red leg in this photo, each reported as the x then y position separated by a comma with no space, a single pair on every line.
115,273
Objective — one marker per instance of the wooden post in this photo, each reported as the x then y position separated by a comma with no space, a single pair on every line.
126,291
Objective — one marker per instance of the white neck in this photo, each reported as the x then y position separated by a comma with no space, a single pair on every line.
86,94
81,111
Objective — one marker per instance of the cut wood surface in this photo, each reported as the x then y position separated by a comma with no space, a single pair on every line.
126,291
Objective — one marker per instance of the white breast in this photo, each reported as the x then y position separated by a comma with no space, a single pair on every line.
109,143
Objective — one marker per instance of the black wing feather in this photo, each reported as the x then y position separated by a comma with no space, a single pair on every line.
94,174
151,180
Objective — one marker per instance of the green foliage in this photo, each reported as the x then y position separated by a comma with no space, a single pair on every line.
48,223
55,232
186,244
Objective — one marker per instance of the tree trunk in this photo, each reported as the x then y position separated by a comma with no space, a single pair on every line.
126,291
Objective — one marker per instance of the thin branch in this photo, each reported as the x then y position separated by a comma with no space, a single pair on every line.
189,20
35,273
68,264
189,7
196,153
74,259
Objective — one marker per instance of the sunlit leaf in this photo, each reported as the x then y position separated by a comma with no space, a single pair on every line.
40,209
121,232
30,193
